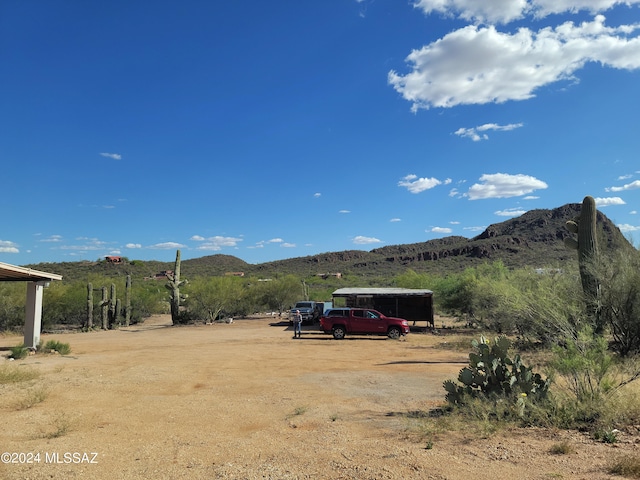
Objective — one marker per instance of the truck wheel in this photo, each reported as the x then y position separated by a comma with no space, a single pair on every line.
394,333
338,333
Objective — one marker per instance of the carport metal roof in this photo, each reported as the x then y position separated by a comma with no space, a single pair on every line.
347,292
13,273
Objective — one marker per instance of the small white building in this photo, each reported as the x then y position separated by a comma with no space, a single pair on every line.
37,281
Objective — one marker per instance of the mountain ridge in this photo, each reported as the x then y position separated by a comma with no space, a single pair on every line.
534,239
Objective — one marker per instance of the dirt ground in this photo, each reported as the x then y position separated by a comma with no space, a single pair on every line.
246,401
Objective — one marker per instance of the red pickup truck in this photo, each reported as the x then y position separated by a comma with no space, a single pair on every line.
343,321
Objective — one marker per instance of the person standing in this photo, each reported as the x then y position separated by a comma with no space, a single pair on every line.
297,324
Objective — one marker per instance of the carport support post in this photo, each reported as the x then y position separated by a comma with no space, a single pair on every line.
33,314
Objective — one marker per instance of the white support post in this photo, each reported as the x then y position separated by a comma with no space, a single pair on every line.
33,314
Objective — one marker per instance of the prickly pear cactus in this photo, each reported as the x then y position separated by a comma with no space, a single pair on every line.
491,373
587,246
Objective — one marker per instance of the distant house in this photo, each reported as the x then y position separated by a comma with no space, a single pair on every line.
113,259
327,275
163,275
234,274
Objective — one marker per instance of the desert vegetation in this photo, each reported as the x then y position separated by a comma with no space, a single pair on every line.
551,346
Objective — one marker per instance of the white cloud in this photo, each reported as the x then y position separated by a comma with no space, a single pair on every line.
605,202
167,246
475,229
625,177
511,212
8,247
133,245
440,230
114,156
502,185
287,245
218,242
89,247
52,238
474,133
478,65
625,228
416,185
360,240
501,11
395,220
197,238
629,186
344,211
317,195
505,11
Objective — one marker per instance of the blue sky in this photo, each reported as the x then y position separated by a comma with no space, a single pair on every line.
271,130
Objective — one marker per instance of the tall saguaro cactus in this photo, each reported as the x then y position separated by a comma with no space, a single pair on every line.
586,244
89,306
173,285
127,301
104,306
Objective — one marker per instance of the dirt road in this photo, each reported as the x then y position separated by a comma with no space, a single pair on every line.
246,401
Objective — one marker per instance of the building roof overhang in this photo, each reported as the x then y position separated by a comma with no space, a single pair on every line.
13,273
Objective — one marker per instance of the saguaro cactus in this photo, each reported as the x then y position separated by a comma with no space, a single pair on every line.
89,306
104,305
112,306
127,301
586,244
173,285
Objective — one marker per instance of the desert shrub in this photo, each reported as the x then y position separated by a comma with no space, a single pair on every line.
55,346
620,300
592,385
586,366
12,304
147,298
626,466
279,294
210,298
64,304
18,352
562,448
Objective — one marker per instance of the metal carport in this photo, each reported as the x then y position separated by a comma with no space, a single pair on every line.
37,281
408,303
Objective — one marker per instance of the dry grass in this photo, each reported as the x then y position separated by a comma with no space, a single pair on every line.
11,373
31,398
59,426
627,466
562,448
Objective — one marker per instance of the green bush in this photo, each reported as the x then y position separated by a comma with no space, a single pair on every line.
55,346
12,304
18,352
